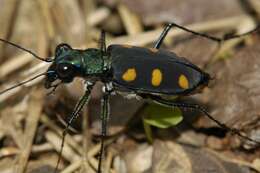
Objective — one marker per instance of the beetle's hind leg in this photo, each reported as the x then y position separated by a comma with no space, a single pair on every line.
162,36
168,103
216,39
170,25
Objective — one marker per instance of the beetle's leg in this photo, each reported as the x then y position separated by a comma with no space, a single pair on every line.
104,117
162,36
170,25
102,42
217,39
168,103
83,101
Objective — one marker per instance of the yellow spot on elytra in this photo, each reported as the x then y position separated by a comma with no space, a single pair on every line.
153,50
156,77
129,75
183,82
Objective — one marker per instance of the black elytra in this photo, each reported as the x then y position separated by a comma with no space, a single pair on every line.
174,72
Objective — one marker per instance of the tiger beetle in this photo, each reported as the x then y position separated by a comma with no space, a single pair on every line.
149,73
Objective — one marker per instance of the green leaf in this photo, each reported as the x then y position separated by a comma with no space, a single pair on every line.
162,117
148,132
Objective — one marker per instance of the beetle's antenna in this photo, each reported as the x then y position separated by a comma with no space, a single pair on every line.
27,50
204,111
22,83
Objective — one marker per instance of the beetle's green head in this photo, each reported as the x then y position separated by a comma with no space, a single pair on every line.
65,66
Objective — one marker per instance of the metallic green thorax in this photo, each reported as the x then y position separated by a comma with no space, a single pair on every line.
70,63
88,62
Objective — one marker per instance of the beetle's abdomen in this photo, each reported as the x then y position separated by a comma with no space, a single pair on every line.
154,71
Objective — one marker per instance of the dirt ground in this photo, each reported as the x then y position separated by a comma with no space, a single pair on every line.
32,121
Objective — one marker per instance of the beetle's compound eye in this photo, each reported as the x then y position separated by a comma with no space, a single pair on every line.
66,72
61,48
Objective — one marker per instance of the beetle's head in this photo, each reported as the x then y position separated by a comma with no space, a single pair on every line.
64,68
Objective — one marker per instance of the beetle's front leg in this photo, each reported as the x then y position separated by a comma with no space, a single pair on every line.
83,101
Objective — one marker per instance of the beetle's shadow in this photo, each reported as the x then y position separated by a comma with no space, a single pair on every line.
190,127
126,114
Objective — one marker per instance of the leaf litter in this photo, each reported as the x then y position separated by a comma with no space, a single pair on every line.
27,112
